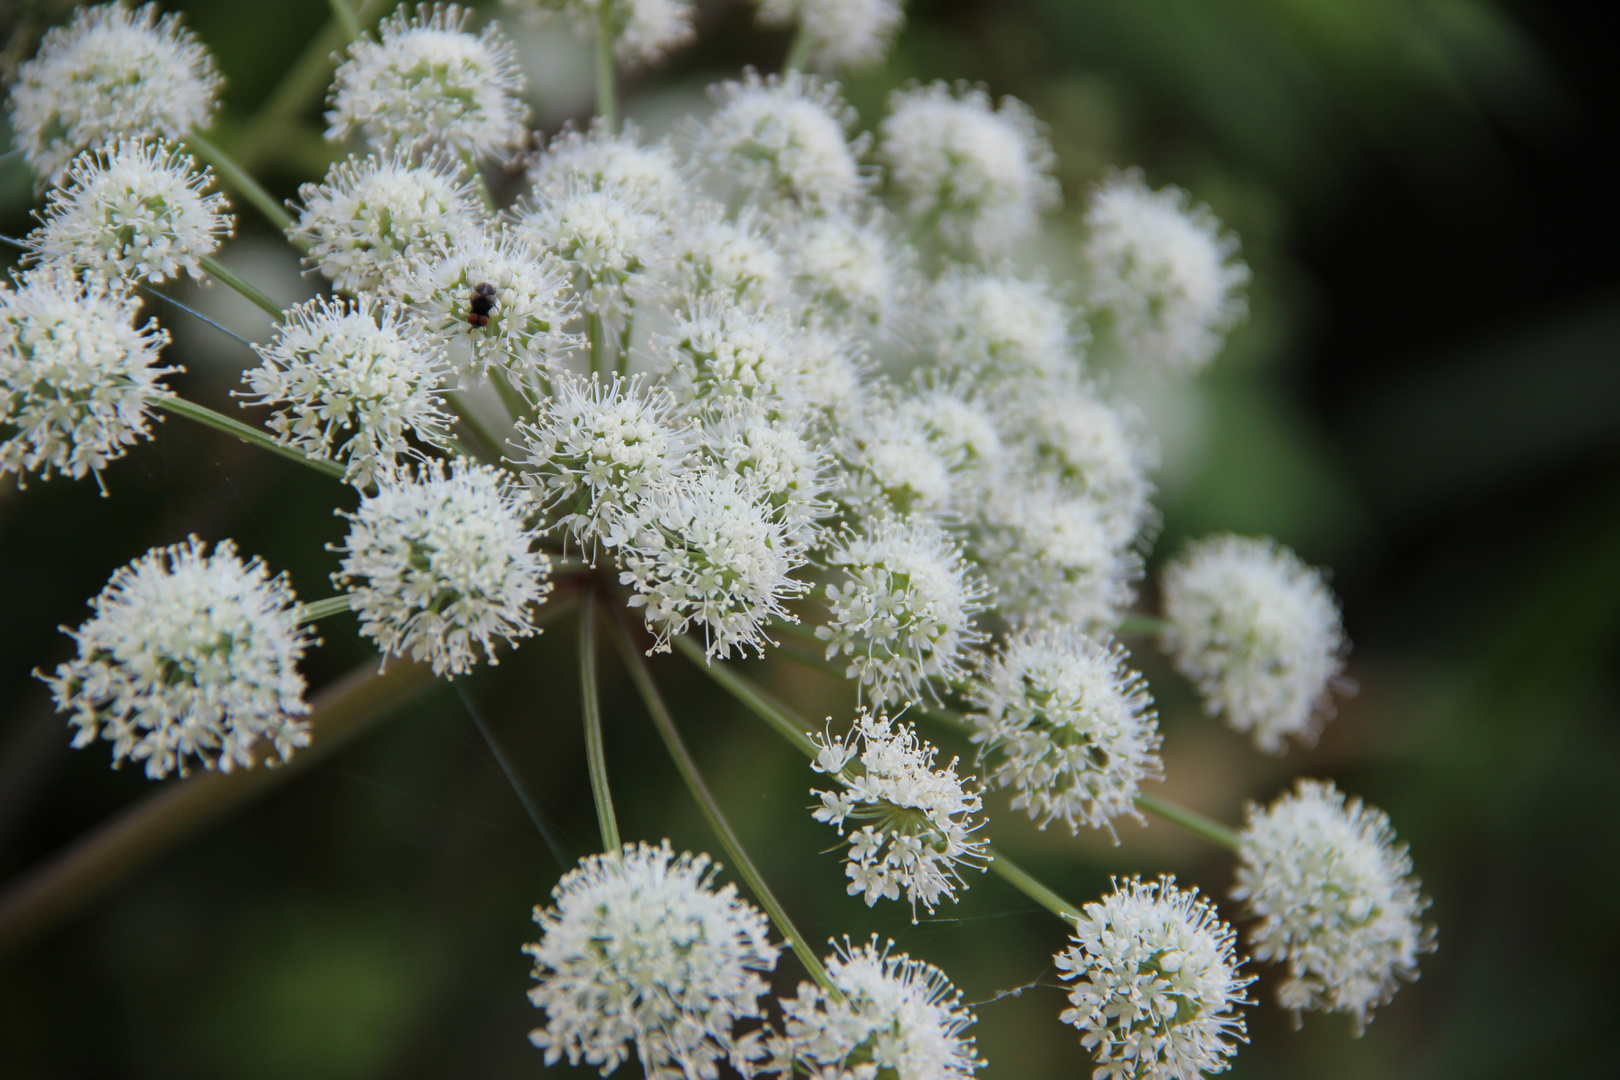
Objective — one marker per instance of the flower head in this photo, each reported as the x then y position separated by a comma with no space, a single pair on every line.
730,259
910,825
903,611
895,1015
785,468
651,172
1069,727
839,33
523,332
440,564
425,81
77,377
1164,271
985,172
783,139
1000,329
370,216
643,31
348,381
188,657
724,354
706,547
1258,632
1099,449
849,270
893,463
135,211
1051,558
112,72
612,244
640,950
1335,899
1156,984
596,448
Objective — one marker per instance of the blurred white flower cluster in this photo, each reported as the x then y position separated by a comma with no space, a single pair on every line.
770,371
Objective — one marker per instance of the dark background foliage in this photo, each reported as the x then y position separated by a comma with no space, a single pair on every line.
1426,398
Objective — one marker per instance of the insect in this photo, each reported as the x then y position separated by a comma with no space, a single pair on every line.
483,298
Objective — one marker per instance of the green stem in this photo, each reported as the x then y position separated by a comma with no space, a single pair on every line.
220,422
320,609
746,691
642,677
240,180
596,334
475,424
347,19
607,98
1141,626
621,360
515,403
1190,820
74,878
791,728
799,52
231,279
470,163
1021,880
591,705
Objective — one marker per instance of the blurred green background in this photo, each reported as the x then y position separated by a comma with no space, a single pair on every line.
1426,398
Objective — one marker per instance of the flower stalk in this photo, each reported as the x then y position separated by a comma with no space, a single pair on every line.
591,706
220,422
240,180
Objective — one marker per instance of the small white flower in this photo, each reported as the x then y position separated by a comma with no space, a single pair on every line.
834,370
983,173
1156,984
963,430
523,333
910,825
370,216
1164,271
724,353
440,564
904,609
849,270
783,140
425,81
895,1015
612,243
728,258
110,73
1092,447
78,377
789,472
1052,559
1335,898
641,950
188,656
133,211
348,381
1071,729
1000,329
840,33
603,160
595,448
705,547
1258,632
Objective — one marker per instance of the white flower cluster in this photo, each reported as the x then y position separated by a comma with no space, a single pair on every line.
1156,987
440,564
114,71
838,33
910,824
78,377
1068,727
891,1016
424,81
1258,632
133,211
188,656
642,31
348,382
1163,271
641,954
1335,899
